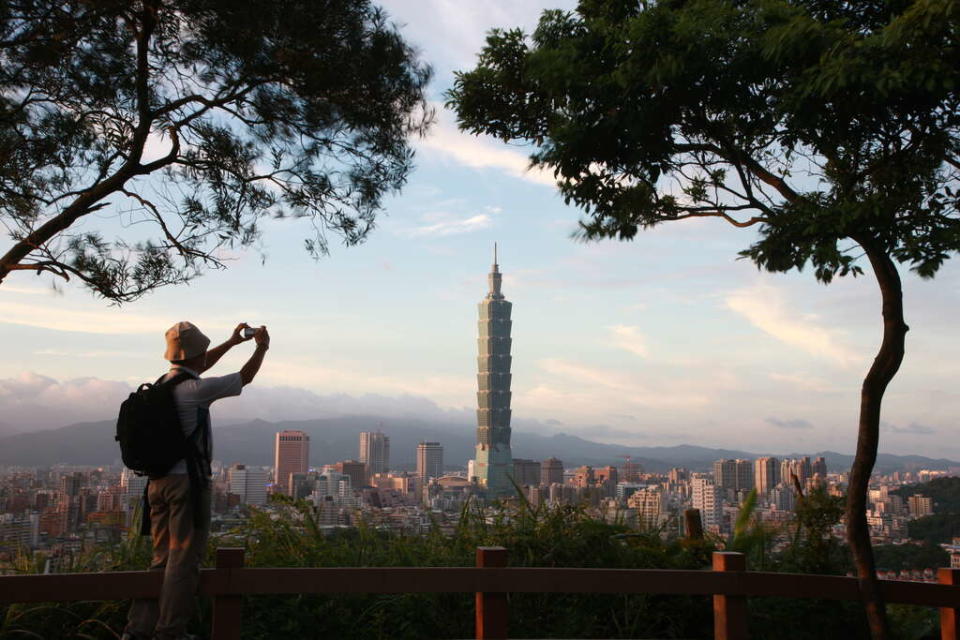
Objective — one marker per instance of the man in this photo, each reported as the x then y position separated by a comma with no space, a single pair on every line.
179,502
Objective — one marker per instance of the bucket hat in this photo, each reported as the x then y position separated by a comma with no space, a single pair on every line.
185,341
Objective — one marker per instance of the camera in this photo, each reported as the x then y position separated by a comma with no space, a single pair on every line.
248,332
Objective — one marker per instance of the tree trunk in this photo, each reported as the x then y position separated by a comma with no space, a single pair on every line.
885,366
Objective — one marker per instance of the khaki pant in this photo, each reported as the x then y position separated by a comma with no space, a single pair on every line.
178,549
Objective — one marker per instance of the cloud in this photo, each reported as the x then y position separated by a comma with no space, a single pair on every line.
441,225
630,339
796,423
446,141
96,320
913,429
69,319
31,401
763,306
805,382
585,388
34,401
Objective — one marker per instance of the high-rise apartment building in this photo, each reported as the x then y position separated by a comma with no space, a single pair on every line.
648,503
291,454
374,452
248,483
766,474
133,486
801,468
820,468
630,471
707,500
551,471
920,505
583,477
743,475
725,474
526,473
355,470
494,461
429,461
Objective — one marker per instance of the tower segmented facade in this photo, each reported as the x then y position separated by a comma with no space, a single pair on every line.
493,461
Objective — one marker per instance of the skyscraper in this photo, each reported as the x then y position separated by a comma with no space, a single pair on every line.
429,460
494,461
291,454
766,474
375,452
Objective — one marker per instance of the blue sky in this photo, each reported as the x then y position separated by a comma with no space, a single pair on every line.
665,340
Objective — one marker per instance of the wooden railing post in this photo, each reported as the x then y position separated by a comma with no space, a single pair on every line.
729,611
491,608
949,616
227,609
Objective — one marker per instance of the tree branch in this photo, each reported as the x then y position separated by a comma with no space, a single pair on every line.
716,213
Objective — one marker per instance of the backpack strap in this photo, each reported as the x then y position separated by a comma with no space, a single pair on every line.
197,464
178,378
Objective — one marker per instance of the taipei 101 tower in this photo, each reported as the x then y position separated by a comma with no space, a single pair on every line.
493,462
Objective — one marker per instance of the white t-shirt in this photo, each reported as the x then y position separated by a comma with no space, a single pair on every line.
199,393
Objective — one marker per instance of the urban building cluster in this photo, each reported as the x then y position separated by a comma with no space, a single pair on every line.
65,509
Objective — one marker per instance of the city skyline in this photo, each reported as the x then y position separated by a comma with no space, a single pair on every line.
666,340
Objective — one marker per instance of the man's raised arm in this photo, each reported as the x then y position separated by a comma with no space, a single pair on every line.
250,369
214,354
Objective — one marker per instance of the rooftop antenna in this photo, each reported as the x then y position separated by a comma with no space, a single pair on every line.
494,254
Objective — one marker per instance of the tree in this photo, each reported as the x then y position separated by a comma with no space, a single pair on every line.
199,118
829,126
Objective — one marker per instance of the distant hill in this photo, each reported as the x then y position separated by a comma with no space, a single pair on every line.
333,439
944,491
7,429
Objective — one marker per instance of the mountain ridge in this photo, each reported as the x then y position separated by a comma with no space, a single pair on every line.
333,439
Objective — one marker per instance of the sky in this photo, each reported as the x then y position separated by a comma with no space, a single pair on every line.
665,340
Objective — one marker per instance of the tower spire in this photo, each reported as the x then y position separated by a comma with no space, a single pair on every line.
495,279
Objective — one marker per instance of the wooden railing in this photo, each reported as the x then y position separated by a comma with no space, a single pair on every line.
491,580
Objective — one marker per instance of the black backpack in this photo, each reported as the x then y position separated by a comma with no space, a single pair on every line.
149,431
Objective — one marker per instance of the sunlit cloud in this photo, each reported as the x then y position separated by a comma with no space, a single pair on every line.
69,318
449,225
630,339
763,306
446,141
31,401
598,387
35,401
101,321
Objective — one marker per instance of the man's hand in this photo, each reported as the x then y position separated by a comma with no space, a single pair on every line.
262,337
237,336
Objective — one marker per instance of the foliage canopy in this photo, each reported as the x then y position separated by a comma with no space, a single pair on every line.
818,121
199,118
